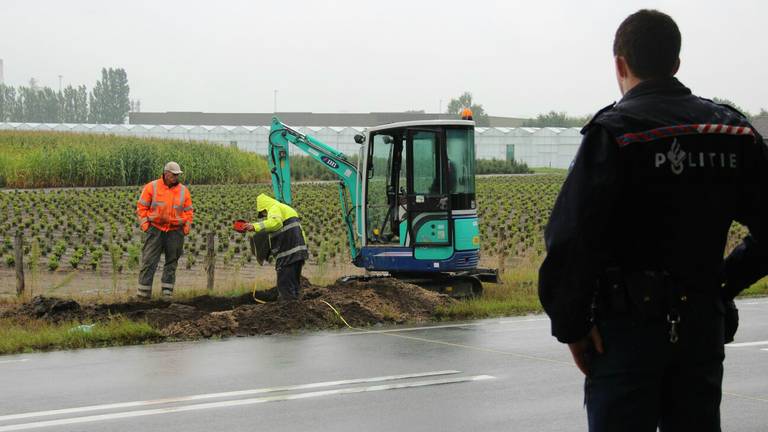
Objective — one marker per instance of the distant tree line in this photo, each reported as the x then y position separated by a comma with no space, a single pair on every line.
562,119
557,119
551,118
730,103
108,102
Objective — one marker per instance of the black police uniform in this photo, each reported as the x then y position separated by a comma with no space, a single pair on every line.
635,246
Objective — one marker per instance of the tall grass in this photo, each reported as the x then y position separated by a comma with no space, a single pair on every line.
63,159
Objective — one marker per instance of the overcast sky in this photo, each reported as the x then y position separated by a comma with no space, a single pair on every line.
518,58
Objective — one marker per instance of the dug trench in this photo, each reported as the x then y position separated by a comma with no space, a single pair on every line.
359,303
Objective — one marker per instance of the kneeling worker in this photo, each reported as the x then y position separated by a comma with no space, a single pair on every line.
287,243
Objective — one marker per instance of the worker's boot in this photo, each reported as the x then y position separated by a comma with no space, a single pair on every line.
144,292
167,290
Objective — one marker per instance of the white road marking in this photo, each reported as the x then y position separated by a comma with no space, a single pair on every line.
741,396
241,402
250,392
763,349
13,361
746,344
408,329
753,303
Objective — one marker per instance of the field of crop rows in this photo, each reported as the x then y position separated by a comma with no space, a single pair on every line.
96,230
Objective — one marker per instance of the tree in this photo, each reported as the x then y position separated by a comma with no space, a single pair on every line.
69,105
17,109
121,101
7,103
29,105
557,119
81,105
50,106
730,103
465,101
110,99
763,112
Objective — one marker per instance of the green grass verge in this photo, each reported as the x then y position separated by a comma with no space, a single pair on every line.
756,290
515,295
37,335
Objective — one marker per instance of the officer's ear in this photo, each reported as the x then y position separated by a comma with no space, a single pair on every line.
622,68
677,67
623,74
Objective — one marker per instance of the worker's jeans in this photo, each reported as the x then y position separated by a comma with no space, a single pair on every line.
170,244
289,281
643,380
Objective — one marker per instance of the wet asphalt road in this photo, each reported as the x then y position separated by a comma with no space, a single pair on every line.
492,375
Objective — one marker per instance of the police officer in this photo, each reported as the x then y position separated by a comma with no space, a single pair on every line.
634,280
287,243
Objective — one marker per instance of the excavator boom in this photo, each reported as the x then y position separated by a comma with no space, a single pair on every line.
280,138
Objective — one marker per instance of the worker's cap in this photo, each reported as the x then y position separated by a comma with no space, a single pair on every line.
173,167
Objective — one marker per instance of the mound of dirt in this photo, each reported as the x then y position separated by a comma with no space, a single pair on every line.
359,303
49,308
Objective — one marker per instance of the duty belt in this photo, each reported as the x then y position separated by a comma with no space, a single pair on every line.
641,295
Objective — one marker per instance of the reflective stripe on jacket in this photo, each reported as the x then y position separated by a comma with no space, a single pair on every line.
286,237
165,208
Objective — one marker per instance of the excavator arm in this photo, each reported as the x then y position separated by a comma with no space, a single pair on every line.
278,158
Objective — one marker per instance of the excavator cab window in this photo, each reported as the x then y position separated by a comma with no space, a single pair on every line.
427,175
382,189
460,146
460,152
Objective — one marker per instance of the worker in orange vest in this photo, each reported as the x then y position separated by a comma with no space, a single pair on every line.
165,214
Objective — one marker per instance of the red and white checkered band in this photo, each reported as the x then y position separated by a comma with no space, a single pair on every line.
689,129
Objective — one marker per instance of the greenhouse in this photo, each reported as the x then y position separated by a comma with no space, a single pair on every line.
537,147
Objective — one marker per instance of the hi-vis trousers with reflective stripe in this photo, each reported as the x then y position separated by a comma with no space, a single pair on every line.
170,244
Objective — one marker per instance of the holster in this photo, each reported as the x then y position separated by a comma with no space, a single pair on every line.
640,295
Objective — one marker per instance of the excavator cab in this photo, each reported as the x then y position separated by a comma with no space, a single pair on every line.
420,212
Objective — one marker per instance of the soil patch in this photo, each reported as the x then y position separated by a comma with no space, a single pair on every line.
360,303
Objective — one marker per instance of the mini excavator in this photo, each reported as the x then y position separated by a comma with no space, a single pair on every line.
408,201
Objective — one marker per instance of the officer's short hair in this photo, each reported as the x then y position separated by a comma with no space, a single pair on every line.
649,40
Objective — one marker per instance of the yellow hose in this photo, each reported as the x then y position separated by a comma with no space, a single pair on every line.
338,315
253,294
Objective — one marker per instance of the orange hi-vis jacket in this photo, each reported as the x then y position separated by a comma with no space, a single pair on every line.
165,208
